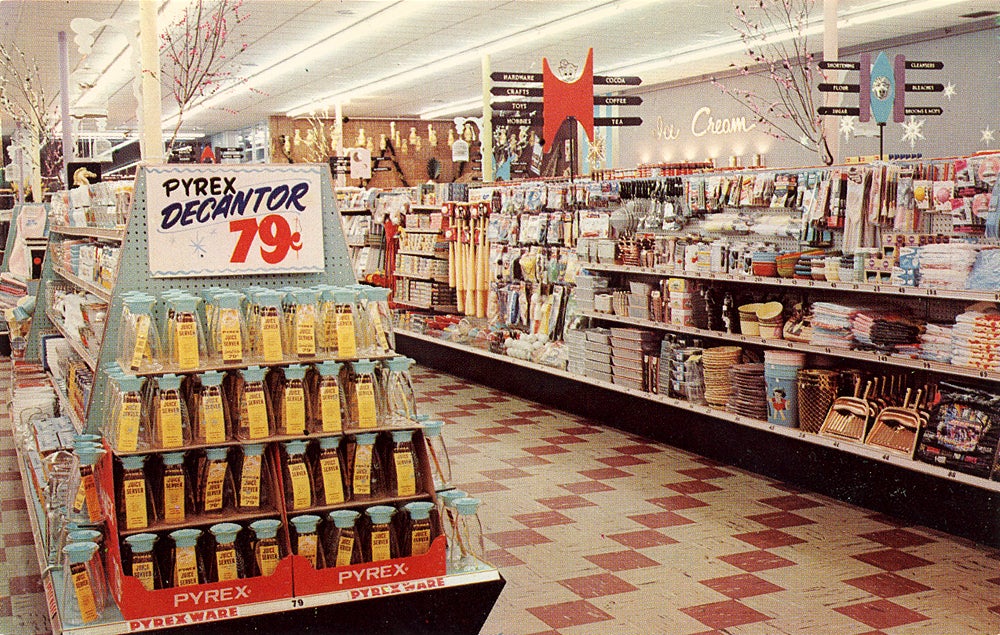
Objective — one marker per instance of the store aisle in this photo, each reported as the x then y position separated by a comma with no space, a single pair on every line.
597,531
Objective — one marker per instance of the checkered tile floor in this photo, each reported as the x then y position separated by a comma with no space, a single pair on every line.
597,531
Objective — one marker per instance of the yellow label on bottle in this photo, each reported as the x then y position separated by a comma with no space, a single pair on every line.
267,558
345,550
214,483
406,481
230,336
328,331
333,486
143,570
128,425
186,342
420,542
213,421
253,396
136,511
376,318
84,593
307,548
270,337
93,500
86,476
380,544
362,478
305,334
250,481
301,491
329,402
173,498
295,411
347,343
364,388
185,566
171,431
225,563
141,341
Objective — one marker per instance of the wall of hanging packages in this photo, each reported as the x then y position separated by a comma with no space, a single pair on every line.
852,306
210,432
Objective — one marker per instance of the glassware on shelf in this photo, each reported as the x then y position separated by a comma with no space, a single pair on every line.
405,478
327,321
328,401
467,552
437,451
448,513
215,483
364,467
303,323
266,550
420,529
186,565
380,319
134,497
297,477
210,409
141,564
270,328
330,482
171,423
347,325
401,403
139,344
176,493
254,418
84,591
225,562
380,541
292,405
228,329
306,543
365,397
341,544
131,423
87,504
251,491
186,337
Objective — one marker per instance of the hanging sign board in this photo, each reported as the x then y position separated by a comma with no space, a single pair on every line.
234,220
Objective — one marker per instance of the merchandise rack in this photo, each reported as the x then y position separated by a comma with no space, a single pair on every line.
480,588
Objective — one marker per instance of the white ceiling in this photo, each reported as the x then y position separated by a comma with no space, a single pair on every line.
360,42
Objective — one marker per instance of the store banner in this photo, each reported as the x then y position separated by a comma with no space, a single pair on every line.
234,220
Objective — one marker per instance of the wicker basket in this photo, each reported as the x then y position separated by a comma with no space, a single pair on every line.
817,390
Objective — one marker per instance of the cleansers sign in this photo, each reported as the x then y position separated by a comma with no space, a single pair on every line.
231,221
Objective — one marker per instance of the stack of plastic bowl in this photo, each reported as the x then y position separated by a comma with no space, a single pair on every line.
771,320
786,264
748,319
765,264
781,370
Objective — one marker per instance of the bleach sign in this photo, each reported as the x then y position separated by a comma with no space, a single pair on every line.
210,220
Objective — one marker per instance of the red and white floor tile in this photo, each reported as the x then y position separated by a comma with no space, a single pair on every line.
598,531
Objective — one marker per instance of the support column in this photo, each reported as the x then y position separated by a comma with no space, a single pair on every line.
486,132
151,137
68,149
338,133
831,52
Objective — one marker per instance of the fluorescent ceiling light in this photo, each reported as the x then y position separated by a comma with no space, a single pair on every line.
453,108
540,32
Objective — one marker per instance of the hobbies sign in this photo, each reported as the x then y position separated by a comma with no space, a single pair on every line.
217,221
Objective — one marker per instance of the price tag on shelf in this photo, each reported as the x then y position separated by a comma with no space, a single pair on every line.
210,220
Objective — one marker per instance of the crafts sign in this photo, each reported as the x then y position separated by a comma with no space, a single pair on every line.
232,221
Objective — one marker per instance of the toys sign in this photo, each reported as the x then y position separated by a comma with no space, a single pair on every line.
231,221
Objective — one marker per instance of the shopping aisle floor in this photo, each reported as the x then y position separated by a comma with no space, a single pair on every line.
597,531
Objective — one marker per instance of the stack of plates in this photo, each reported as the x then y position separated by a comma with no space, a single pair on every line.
716,363
749,396
597,363
576,343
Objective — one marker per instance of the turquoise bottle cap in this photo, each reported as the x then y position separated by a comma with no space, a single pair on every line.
138,305
366,438
169,381
129,383
134,461
343,296
449,497
253,373
85,535
431,428
173,458
305,296
399,364
421,418
306,523
225,533
88,454
328,293
329,369
377,294
269,298
265,528
229,300
380,514
210,294
467,506
329,443
185,303
94,439
185,537
295,371
295,447
80,552
363,366
343,518
419,510
211,378
402,436
141,543
216,454
170,294
253,449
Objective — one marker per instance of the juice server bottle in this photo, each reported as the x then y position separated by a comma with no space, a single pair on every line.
327,401
252,492
82,592
347,325
176,500
367,336
304,336
87,503
171,422
139,344
270,328
96,563
405,478
330,479
141,564
401,404
186,565
380,540
420,529
254,415
380,319
292,404
187,336
225,562
448,513
134,498
437,451
364,466
365,399
210,410
228,331
215,493
326,327
266,550
467,552
297,477
341,543
306,540
131,422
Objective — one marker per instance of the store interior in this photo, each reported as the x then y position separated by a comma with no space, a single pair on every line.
469,316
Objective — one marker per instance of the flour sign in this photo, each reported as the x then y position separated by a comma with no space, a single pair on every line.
216,220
